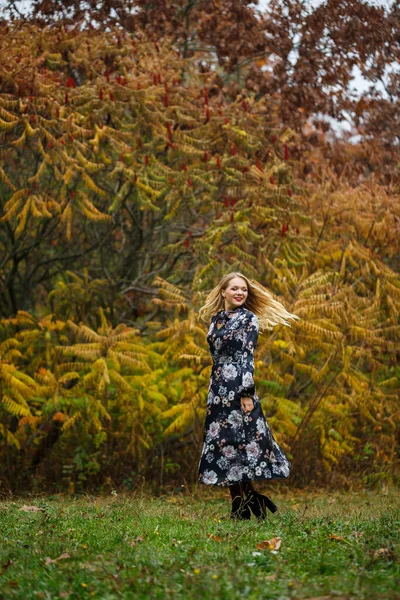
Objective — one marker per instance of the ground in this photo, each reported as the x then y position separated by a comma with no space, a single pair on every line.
317,546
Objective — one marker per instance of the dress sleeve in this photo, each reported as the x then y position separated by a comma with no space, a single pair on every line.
250,343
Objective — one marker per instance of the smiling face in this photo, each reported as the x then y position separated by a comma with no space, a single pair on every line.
235,294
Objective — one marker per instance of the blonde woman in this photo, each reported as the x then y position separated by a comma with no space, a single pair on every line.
238,446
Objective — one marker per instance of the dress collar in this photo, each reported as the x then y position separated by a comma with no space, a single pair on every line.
225,313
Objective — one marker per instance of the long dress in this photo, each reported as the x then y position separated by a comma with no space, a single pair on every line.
237,446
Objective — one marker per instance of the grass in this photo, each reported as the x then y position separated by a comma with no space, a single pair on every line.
337,546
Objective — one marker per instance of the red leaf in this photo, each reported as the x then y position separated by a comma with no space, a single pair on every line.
233,149
71,82
218,162
286,152
66,98
190,182
205,97
166,101
140,143
273,139
290,193
259,165
205,157
272,180
112,97
146,159
101,94
184,167
244,105
232,217
207,115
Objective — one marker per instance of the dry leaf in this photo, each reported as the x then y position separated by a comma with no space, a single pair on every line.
137,540
27,508
358,533
13,583
50,561
339,538
271,577
216,538
385,553
272,544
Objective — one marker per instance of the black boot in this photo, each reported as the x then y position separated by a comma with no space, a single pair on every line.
258,503
240,509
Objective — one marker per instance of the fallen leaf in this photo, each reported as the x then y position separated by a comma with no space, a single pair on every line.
216,538
271,577
49,561
339,538
137,540
272,544
386,553
27,508
7,564
358,533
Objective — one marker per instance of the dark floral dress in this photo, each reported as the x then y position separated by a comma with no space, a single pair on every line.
237,446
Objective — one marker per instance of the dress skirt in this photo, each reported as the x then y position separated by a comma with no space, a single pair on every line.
237,446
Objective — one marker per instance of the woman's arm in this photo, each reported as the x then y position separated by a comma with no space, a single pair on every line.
248,388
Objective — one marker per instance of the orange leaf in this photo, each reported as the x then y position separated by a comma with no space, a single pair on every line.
339,538
216,538
272,544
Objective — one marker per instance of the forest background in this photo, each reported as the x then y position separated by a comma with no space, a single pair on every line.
146,150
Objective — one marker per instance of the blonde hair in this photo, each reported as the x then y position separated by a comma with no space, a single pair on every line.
259,300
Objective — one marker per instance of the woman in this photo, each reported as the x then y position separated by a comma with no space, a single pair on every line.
238,446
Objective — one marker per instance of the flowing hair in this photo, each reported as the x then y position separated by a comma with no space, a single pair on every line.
259,300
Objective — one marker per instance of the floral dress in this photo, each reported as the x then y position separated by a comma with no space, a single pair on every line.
237,446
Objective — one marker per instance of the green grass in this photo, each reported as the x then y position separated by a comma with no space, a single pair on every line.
182,547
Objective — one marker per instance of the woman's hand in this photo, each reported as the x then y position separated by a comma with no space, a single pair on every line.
247,404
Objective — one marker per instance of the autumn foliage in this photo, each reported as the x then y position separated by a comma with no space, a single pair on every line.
131,179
